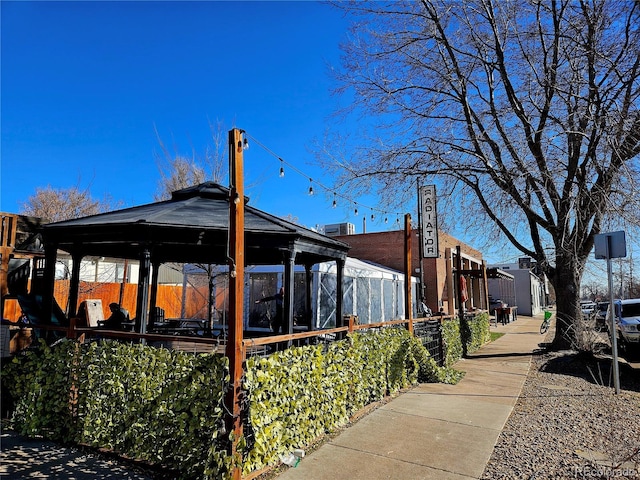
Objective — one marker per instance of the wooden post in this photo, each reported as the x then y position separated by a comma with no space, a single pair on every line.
74,285
485,286
408,307
451,288
71,331
8,233
236,293
352,322
464,327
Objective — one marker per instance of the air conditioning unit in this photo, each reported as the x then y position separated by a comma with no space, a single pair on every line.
336,229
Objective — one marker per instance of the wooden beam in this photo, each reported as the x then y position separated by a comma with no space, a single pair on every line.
464,328
408,307
473,273
74,286
8,232
235,352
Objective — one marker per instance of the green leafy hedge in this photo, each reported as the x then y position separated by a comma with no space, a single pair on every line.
480,332
300,394
452,338
152,404
41,382
166,406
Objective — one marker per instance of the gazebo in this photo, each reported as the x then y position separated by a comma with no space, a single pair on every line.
191,227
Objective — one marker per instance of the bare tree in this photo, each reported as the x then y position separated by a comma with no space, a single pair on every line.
525,113
178,171
57,204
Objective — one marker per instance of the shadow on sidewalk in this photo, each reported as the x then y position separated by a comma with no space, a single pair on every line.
25,457
537,351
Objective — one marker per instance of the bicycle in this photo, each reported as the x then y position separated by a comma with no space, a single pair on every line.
546,322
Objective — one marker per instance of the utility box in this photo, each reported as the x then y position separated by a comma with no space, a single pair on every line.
336,229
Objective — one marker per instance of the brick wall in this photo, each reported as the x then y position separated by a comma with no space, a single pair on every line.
387,248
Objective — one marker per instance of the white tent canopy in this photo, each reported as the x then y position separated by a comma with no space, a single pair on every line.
372,292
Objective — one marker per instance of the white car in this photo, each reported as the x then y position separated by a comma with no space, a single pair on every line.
587,307
628,323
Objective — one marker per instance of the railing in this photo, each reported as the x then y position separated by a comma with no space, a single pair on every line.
430,334
428,329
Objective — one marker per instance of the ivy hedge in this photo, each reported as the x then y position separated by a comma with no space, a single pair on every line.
166,407
452,337
158,405
300,394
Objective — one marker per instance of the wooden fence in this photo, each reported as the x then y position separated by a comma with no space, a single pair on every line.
169,298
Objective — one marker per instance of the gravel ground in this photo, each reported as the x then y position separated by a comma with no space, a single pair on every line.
569,423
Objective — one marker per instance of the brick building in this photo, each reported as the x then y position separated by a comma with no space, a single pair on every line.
438,274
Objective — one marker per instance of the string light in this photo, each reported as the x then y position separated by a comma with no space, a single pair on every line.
311,189
245,144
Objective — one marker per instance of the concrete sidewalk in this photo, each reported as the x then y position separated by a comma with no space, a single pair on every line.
434,431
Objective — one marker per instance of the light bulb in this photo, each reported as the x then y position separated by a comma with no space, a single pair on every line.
310,187
245,144
281,172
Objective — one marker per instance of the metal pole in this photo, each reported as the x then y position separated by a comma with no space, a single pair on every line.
123,283
612,311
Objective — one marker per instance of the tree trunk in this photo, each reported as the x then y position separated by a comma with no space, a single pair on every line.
566,282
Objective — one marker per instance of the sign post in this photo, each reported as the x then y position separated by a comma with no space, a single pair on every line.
608,246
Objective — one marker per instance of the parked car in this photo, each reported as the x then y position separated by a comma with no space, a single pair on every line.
627,323
601,314
588,307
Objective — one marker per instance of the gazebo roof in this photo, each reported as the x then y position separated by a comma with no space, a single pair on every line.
193,226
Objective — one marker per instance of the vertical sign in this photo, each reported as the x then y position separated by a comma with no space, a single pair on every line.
608,246
429,221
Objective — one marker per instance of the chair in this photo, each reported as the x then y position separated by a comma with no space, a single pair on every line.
155,316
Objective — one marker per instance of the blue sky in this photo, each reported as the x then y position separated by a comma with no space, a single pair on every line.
85,85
